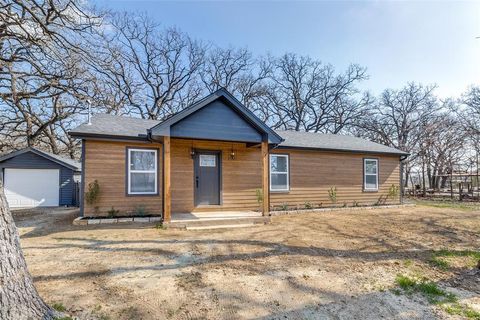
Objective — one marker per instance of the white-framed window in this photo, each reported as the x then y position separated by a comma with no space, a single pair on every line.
279,175
370,174
142,171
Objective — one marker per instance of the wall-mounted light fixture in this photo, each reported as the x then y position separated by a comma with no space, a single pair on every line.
232,154
192,152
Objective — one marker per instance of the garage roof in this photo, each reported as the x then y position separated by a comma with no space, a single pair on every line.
66,162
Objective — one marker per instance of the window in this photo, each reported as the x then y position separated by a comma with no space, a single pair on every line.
142,171
279,177
370,174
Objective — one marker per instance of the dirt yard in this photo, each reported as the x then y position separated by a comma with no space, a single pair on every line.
336,265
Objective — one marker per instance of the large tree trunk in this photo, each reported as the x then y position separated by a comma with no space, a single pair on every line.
18,297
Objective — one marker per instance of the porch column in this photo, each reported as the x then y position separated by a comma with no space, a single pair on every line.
265,179
167,193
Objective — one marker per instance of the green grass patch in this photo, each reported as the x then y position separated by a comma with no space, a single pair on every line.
444,258
435,295
59,307
465,311
428,289
63,318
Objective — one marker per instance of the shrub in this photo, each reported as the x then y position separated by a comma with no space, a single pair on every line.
259,195
332,194
308,205
284,206
112,212
393,191
93,193
140,210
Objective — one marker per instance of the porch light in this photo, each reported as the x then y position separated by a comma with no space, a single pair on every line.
232,154
192,153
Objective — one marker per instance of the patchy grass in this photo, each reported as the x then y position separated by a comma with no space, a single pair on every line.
446,259
428,289
59,307
435,295
63,318
461,310
449,204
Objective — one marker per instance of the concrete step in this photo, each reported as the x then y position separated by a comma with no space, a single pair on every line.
225,226
186,224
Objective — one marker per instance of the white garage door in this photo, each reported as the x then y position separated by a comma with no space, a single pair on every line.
27,188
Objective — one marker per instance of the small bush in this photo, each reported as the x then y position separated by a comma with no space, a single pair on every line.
332,194
308,205
140,210
259,196
393,191
93,193
112,212
284,206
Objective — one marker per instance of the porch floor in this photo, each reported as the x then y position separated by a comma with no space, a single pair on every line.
216,219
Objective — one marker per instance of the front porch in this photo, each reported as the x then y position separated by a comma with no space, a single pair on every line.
216,220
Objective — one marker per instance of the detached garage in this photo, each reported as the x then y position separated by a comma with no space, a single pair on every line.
35,178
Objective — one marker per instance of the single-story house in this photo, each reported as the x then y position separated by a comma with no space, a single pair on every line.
216,155
36,178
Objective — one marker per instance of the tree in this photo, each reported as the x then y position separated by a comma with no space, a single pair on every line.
40,65
38,68
309,96
18,297
397,117
154,69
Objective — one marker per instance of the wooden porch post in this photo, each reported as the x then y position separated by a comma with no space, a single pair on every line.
265,179
167,193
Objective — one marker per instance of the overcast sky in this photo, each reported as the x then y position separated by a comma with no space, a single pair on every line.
427,42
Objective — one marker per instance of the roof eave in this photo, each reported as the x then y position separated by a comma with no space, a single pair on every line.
342,150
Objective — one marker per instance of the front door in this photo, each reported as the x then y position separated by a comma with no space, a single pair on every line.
207,178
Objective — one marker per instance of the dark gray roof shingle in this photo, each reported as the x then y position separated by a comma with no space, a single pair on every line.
118,126
72,164
339,142
128,127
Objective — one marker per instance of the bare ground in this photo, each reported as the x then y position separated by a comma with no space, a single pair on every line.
334,265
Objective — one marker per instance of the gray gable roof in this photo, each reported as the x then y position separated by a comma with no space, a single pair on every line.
163,128
115,126
334,142
66,162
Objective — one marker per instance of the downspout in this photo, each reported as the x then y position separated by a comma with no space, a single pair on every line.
82,181
402,188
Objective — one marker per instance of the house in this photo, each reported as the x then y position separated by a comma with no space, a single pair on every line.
35,178
216,155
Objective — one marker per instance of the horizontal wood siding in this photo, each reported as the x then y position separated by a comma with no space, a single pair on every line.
106,162
313,173
240,177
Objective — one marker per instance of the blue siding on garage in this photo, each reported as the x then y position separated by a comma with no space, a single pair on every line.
216,121
30,160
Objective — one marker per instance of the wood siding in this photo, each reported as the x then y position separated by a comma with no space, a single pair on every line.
240,177
313,173
106,162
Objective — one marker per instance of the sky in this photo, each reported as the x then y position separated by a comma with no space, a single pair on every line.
398,42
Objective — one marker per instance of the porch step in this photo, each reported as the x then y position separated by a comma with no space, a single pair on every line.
217,223
225,226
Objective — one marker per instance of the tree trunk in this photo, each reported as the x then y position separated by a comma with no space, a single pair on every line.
18,297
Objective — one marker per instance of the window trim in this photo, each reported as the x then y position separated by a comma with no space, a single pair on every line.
287,156
129,172
365,189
